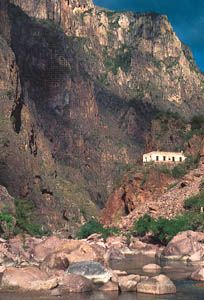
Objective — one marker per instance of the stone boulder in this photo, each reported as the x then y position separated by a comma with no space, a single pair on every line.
152,268
198,274
82,252
91,270
54,262
128,283
158,285
138,246
75,250
185,245
23,245
95,237
117,242
110,286
46,247
43,285
73,283
112,254
29,278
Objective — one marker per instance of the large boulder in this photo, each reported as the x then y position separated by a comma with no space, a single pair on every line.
185,245
29,278
23,245
75,250
46,247
138,246
91,270
82,251
198,274
54,262
112,254
110,286
128,283
43,285
158,285
152,268
117,242
73,283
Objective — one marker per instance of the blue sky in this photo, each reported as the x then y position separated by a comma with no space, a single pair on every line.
186,17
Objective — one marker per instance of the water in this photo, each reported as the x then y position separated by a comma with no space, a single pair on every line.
178,272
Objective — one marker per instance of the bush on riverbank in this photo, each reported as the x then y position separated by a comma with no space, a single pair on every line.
94,226
163,230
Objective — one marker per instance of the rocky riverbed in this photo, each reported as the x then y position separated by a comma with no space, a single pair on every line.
56,266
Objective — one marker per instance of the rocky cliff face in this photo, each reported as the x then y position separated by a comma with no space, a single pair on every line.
80,87
122,45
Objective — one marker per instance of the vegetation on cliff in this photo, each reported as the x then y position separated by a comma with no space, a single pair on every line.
21,221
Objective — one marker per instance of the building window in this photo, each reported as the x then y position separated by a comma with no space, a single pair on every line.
180,159
164,158
173,159
157,158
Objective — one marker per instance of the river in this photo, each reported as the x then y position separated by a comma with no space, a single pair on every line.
178,272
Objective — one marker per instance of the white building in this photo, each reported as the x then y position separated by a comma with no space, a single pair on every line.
164,157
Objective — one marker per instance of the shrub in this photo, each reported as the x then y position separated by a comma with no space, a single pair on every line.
179,171
162,229
197,122
121,60
7,223
195,202
164,169
143,225
94,226
190,163
197,127
168,115
24,213
196,221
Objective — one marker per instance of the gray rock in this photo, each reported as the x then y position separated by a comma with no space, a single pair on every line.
91,270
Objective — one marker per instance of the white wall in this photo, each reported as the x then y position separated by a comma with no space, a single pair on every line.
169,158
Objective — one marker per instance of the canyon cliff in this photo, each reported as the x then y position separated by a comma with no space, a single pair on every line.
80,90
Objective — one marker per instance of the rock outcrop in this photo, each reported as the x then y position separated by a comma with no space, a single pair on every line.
158,285
29,278
185,245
